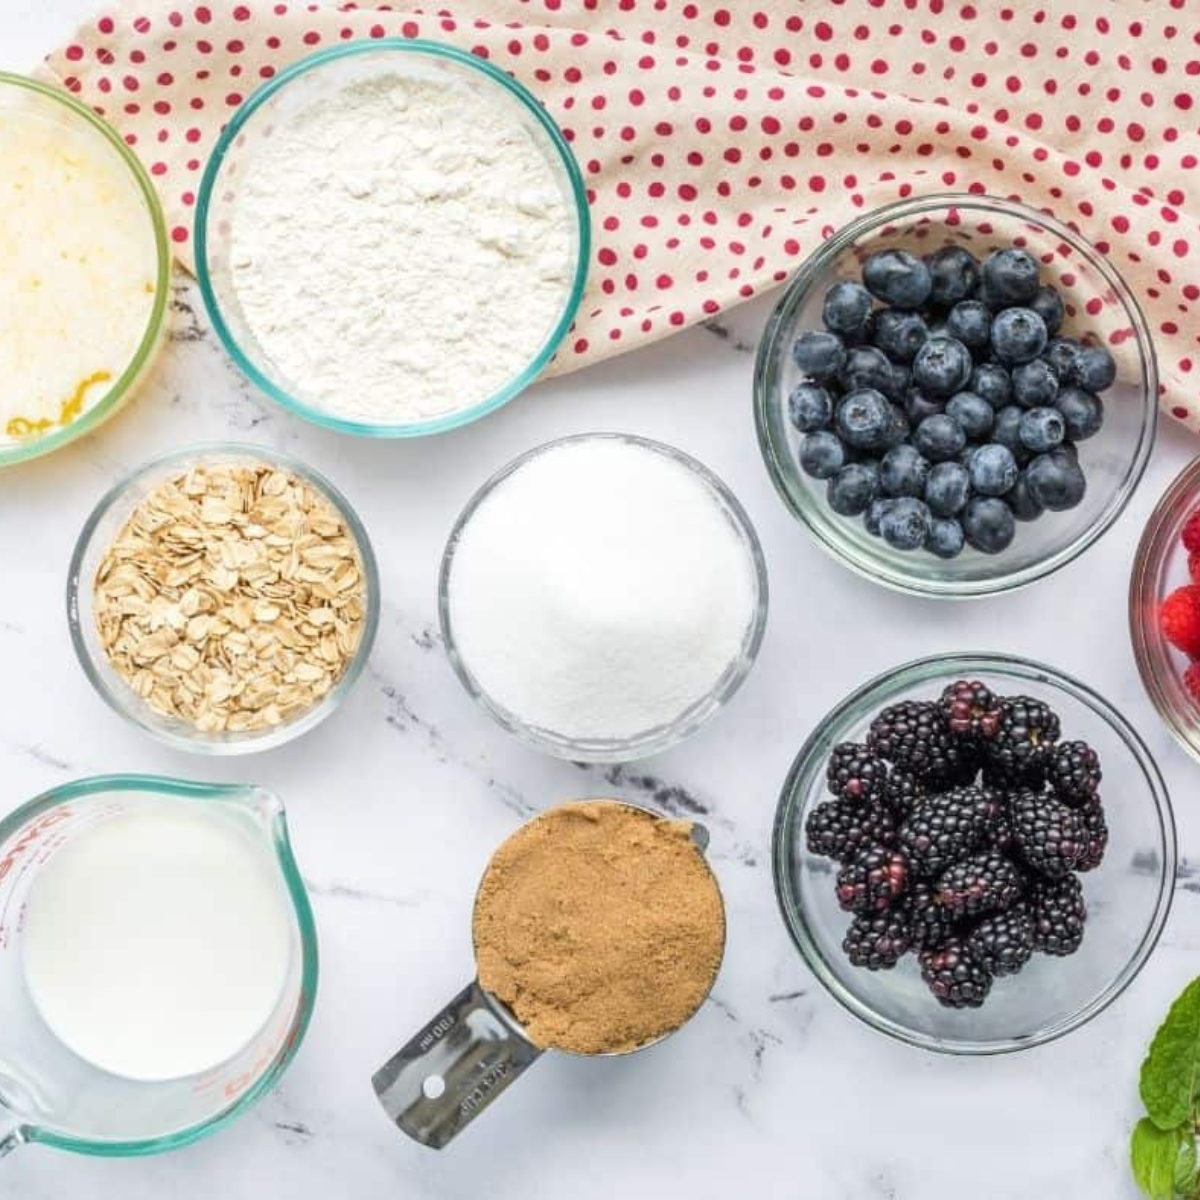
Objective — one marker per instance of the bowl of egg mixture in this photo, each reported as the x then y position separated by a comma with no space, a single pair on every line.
84,265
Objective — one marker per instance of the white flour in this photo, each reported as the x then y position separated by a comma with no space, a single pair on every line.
600,591
401,248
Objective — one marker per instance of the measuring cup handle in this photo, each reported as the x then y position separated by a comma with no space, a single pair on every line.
453,1069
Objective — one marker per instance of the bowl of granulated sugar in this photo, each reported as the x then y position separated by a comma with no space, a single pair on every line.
392,238
602,596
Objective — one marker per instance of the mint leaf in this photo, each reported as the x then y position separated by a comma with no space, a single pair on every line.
1185,1164
1169,1073
1154,1154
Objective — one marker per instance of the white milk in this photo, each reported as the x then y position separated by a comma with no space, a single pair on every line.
156,943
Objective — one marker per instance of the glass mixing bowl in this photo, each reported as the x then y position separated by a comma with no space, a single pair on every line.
1098,304
1128,896
1160,566
648,741
98,533
291,91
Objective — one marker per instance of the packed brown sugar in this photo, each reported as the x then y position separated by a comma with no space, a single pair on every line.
600,926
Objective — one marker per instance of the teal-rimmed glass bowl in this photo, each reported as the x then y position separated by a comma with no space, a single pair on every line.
270,105
27,99
1128,896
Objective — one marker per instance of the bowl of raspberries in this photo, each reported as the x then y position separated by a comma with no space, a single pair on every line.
974,853
956,395
1164,607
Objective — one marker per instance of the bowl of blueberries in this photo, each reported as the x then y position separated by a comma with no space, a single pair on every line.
956,395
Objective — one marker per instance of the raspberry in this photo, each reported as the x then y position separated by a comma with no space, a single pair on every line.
1190,536
1179,619
1194,566
1191,681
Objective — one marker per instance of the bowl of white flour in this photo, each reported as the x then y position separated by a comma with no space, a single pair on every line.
392,238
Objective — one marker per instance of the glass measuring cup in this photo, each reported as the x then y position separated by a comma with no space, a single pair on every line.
47,1093
471,1051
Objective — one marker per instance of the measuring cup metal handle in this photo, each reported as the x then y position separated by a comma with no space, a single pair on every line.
453,1069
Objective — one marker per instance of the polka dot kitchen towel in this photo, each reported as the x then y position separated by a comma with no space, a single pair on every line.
721,140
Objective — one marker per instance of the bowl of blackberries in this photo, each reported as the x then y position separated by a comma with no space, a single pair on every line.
974,853
956,395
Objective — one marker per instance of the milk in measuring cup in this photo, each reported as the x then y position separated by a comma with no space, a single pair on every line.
156,942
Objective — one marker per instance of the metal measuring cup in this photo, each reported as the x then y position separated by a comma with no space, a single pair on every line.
474,1048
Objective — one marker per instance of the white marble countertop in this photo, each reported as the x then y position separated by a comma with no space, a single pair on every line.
396,803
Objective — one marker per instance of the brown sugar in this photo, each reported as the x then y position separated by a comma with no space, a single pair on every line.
600,926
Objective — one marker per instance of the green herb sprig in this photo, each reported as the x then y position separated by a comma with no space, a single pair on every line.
1162,1151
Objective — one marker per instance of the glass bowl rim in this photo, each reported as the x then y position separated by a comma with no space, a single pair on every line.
643,745
779,465
119,392
892,684
1152,550
267,739
433,425
305,923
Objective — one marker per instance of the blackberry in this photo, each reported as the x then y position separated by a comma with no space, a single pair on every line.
1002,942
913,736
948,826
1059,914
929,924
841,828
1073,771
971,710
954,976
985,882
1050,837
855,773
1021,749
877,941
1095,836
903,791
872,880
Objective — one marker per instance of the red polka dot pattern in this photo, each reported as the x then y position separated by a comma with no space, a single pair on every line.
721,142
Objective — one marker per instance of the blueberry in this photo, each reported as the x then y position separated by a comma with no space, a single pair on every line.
1034,384
947,489
1055,480
874,515
1021,501
942,366
1018,335
993,469
1061,354
1007,431
898,428
810,407
1042,429
918,406
903,472
939,437
1048,305
905,524
971,323
822,454
819,355
1094,368
901,381
988,524
865,420
992,382
1082,412
852,489
1010,276
847,307
945,537
954,273
897,278
898,334
868,367
972,412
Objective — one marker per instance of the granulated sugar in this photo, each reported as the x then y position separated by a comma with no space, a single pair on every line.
600,590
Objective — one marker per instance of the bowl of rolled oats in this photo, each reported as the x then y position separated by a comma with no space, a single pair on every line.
224,598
